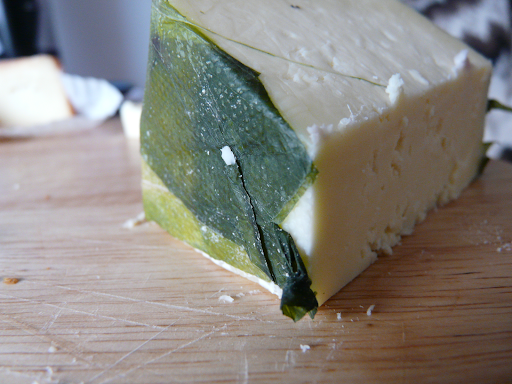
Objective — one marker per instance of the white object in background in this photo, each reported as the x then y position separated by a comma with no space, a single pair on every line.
93,101
92,98
130,113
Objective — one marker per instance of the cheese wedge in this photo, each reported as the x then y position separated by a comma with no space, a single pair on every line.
31,92
293,141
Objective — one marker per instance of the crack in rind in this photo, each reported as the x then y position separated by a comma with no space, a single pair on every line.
260,230
298,299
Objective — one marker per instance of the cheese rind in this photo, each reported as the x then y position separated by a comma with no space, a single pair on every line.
391,113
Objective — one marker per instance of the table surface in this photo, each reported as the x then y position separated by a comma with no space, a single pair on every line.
99,303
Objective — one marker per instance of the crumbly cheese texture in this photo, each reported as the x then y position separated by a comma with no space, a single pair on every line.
390,108
31,92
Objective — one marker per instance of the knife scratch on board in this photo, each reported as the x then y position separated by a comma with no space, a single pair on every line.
153,303
124,374
132,352
32,301
62,345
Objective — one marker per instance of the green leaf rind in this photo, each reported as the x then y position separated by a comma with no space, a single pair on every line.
199,99
495,104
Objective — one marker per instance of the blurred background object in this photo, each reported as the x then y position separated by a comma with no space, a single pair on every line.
93,38
109,39
103,38
18,27
486,25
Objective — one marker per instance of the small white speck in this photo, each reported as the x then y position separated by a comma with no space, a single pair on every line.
505,247
132,223
338,316
226,299
228,156
370,309
52,349
241,294
305,348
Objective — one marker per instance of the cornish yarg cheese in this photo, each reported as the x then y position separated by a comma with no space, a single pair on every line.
292,142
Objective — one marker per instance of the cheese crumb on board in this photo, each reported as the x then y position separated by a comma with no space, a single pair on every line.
11,280
52,349
226,299
132,223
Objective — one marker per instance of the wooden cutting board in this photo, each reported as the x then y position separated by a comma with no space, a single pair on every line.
98,303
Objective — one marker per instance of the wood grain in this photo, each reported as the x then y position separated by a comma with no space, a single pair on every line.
99,303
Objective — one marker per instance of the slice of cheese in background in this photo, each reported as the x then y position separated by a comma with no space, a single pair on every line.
388,108
31,92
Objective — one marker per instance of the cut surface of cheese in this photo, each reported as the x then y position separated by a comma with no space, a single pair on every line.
332,126
31,92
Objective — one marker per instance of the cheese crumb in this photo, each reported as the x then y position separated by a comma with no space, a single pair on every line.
395,87
305,348
11,280
338,316
226,299
228,156
131,223
370,309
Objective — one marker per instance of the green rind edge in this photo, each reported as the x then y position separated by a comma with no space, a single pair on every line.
163,207
292,305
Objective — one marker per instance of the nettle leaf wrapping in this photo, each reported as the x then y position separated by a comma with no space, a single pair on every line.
198,99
